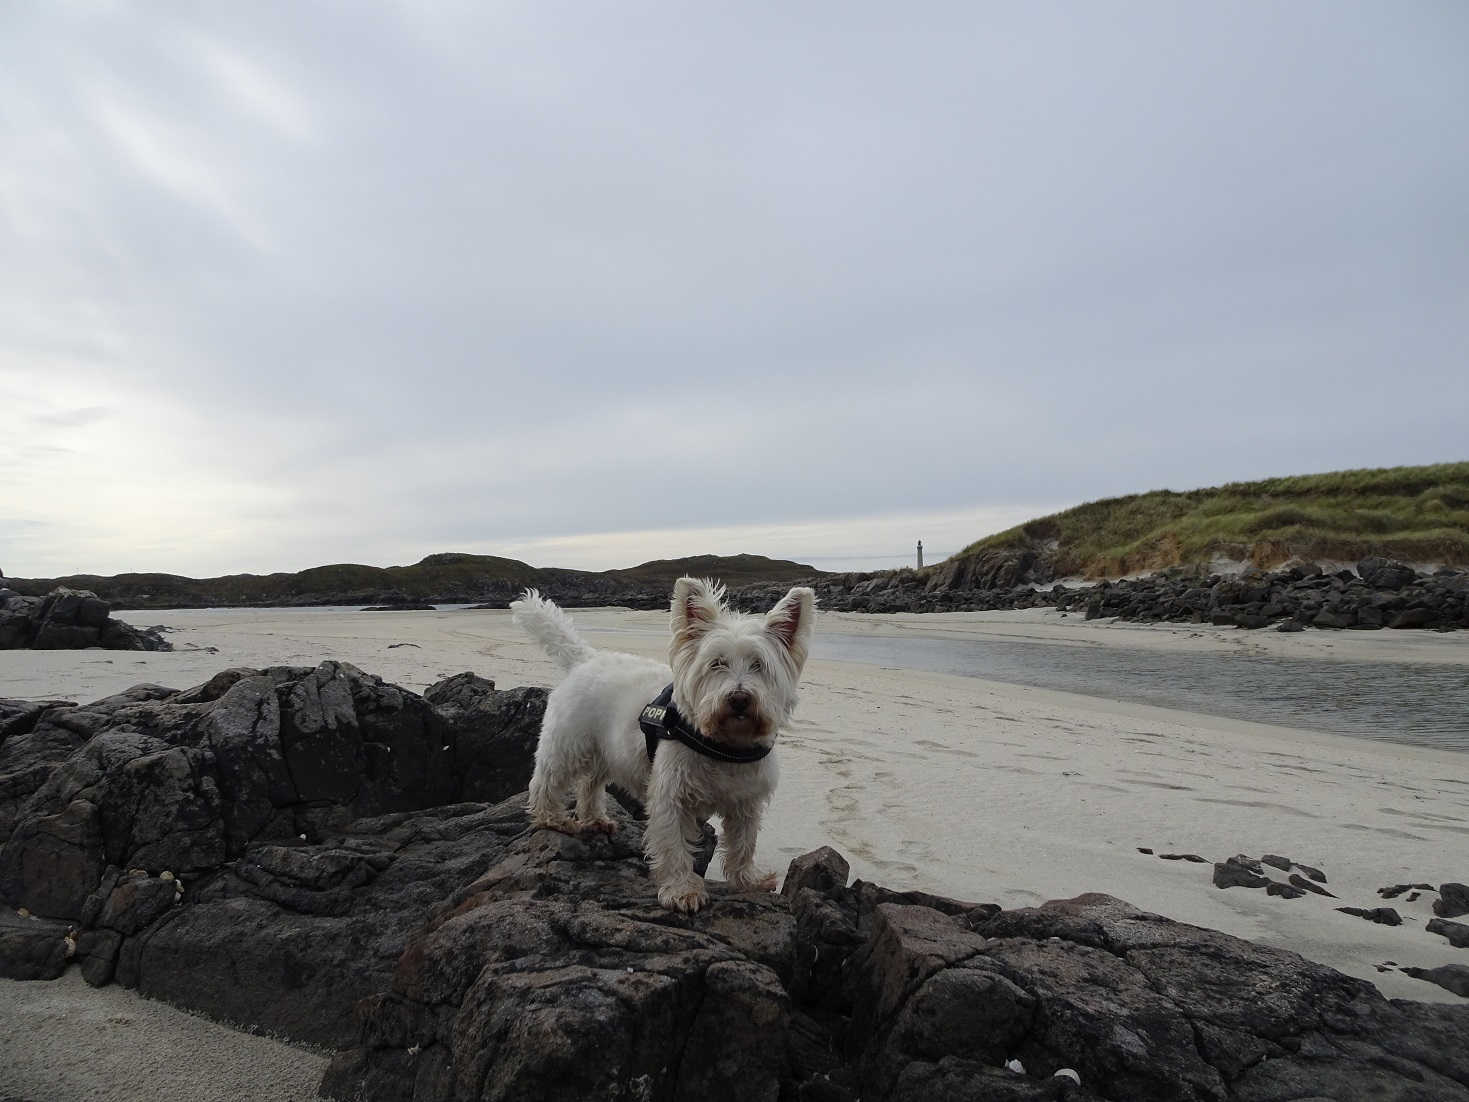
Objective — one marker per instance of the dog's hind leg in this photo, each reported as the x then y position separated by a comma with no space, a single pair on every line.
549,787
591,805
561,757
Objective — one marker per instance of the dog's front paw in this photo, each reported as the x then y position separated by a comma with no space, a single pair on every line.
686,896
594,827
559,823
753,880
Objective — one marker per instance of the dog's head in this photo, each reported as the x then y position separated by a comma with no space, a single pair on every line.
735,676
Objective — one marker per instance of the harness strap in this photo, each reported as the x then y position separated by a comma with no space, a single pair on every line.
661,720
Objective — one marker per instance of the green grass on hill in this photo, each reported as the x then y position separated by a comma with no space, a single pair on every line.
1415,513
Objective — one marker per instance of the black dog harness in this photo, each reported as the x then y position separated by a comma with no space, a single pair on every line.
661,720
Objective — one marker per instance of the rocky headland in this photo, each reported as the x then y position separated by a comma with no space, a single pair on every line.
1379,593
334,859
66,619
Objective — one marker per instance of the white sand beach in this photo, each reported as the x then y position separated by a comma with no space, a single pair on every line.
977,789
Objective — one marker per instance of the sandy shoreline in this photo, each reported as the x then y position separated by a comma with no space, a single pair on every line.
62,1041
977,789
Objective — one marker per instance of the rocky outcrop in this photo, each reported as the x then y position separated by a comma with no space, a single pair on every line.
1379,594
554,975
67,619
218,791
988,570
333,859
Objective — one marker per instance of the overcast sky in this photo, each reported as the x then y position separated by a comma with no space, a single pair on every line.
591,283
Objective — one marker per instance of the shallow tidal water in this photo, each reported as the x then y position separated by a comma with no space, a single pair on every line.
1421,705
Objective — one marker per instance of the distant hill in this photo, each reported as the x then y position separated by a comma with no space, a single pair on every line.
447,578
732,570
1417,514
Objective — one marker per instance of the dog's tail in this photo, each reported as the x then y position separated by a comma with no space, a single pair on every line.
544,622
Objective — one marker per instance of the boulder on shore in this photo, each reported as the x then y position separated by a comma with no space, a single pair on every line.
68,619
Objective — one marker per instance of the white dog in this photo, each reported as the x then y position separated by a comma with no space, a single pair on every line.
734,679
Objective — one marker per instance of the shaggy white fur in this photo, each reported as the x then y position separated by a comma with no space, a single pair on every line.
734,677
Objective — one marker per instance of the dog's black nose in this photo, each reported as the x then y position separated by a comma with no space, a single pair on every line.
739,702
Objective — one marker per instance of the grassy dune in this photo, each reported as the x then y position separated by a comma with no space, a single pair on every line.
1420,514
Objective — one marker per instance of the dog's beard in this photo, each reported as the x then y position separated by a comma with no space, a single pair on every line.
724,724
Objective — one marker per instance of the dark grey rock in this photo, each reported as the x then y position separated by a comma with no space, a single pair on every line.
823,871
1304,884
1287,864
908,996
1386,574
180,782
136,901
1236,873
1314,873
1452,901
1384,916
494,733
19,717
67,619
32,948
1456,932
1451,977
97,955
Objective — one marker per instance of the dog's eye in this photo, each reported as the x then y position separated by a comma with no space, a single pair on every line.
755,666
719,664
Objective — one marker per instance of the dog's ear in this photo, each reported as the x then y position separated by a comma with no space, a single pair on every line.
790,622
696,606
